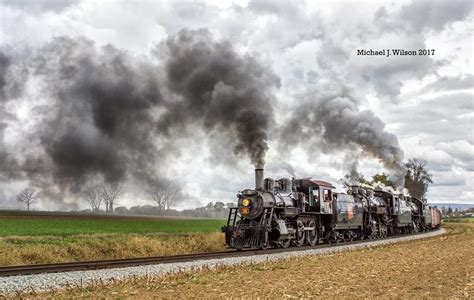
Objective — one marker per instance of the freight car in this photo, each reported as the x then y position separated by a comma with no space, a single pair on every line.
296,212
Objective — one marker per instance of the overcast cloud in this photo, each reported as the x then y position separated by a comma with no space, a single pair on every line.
295,54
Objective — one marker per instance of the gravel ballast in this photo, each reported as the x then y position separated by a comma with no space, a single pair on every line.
45,282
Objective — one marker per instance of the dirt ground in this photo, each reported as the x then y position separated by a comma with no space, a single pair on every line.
442,266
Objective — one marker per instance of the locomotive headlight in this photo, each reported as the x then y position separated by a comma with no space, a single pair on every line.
246,202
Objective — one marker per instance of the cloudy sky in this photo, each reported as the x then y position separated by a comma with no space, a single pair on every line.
321,108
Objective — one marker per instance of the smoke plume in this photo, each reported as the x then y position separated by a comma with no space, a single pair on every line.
221,90
112,116
107,114
335,124
104,122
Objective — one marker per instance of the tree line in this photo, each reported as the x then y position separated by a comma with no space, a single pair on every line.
211,210
104,196
164,193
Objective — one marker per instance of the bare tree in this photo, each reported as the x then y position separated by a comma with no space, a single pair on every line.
417,178
163,192
92,194
27,196
109,193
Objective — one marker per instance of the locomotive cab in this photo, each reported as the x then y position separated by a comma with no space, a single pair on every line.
319,195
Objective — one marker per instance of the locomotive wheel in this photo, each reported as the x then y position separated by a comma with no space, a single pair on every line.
342,238
300,235
336,237
312,235
349,236
285,243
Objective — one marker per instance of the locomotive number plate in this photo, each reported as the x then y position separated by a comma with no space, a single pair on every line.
244,210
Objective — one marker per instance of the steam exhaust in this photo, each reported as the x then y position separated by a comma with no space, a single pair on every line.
259,179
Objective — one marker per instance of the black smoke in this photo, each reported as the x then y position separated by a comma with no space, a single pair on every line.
337,125
103,100
115,117
221,90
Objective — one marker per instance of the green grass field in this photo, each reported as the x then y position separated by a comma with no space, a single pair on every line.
63,226
32,238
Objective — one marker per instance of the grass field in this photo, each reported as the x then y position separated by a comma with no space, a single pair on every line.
438,267
21,225
459,220
36,238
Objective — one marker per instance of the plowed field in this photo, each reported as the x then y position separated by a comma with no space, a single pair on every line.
441,266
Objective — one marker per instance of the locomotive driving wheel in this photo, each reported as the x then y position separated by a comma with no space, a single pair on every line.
300,235
284,243
312,234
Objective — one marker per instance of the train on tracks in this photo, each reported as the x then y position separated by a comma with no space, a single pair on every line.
296,212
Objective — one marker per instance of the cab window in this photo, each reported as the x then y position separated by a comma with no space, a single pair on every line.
327,195
316,195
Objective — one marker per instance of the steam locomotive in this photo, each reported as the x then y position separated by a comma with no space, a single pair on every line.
296,212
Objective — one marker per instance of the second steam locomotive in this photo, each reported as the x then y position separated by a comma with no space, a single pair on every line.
296,212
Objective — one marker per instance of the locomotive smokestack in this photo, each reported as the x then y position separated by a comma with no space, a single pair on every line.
259,179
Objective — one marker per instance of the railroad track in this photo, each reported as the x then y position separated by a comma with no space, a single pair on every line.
118,263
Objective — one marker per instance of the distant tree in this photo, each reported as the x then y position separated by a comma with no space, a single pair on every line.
172,191
382,178
121,210
219,206
354,177
209,206
230,204
164,192
92,194
110,192
417,178
28,197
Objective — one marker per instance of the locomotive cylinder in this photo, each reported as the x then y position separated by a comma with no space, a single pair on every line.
259,179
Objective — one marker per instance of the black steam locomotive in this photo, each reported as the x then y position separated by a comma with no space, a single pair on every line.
296,212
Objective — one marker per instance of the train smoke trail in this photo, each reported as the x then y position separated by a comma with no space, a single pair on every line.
337,124
108,114
103,100
222,90
115,116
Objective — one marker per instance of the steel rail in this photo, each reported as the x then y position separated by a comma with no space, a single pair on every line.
128,262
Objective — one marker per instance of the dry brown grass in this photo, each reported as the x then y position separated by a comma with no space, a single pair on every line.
48,249
442,266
